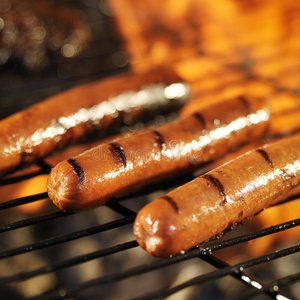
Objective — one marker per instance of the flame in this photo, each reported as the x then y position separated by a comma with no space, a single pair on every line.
25,188
275,215
228,31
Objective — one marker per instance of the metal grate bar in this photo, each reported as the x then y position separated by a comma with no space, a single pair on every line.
121,222
115,277
203,253
23,200
28,199
121,275
230,270
221,273
33,221
254,235
16,179
69,262
273,287
244,277
67,237
121,209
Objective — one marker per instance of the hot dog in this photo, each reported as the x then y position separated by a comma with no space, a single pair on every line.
35,132
128,164
220,199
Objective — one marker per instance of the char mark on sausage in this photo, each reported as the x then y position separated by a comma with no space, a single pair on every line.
266,156
217,183
171,202
118,153
245,103
159,139
77,168
200,118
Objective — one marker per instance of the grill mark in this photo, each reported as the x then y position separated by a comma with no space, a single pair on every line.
118,153
266,156
217,183
160,139
22,157
245,103
77,168
200,119
171,202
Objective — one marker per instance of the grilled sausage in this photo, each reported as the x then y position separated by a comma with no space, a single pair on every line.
205,207
35,132
130,163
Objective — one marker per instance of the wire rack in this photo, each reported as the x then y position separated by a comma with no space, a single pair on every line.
93,254
122,216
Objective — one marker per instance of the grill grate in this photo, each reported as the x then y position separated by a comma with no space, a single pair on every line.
256,286
104,235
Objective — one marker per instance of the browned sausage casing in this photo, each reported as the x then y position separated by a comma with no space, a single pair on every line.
130,163
206,206
35,132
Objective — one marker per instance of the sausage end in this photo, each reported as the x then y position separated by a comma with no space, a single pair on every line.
62,186
153,231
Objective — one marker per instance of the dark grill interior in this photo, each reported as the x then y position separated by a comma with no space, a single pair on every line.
51,254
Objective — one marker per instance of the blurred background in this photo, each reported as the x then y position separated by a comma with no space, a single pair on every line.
49,46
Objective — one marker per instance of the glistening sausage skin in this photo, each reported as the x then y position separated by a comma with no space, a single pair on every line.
102,106
223,197
128,164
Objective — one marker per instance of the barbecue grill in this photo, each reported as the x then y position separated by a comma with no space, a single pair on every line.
50,254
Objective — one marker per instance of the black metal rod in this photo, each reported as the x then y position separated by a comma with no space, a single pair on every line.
221,273
187,255
34,220
120,208
23,200
67,292
273,287
244,277
68,263
254,235
158,264
67,237
16,179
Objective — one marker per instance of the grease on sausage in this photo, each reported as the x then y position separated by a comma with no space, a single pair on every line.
220,199
104,106
152,156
